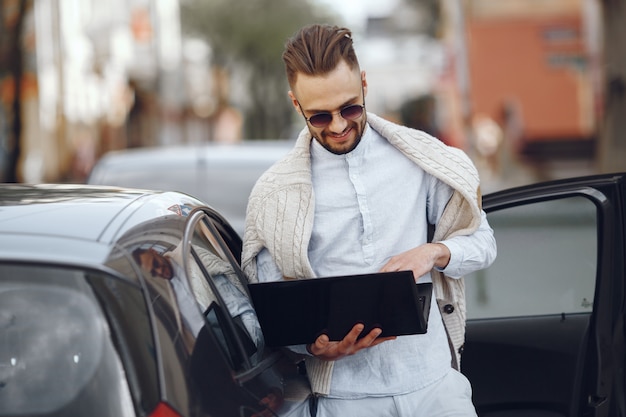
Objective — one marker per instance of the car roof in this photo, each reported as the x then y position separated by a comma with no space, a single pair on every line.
76,222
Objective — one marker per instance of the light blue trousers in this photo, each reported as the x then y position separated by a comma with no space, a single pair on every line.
449,397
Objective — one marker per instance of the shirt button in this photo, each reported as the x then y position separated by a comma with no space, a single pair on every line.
448,309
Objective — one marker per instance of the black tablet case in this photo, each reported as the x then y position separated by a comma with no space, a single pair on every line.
298,311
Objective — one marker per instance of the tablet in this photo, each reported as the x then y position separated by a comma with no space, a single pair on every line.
298,311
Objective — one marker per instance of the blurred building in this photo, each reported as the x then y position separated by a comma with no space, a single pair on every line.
109,77
99,76
532,67
515,83
404,62
116,74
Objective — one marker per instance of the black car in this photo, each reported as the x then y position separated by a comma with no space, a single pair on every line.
91,321
97,315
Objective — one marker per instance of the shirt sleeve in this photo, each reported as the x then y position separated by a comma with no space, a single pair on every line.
472,252
467,253
267,270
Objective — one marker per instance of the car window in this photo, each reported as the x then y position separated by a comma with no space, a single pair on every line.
162,267
57,348
220,290
156,248
546,261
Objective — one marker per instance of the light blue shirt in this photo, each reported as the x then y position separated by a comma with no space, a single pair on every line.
187,304
371,204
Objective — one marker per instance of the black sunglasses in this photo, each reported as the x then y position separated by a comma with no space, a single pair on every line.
159,263
323,119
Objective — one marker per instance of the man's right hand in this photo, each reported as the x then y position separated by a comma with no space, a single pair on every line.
324,349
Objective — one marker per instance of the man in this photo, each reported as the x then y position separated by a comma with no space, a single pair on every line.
356,195
161,266
193,301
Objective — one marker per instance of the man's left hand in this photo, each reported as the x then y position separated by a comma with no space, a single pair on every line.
420,259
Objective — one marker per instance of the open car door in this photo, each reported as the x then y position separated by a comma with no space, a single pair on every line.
545,330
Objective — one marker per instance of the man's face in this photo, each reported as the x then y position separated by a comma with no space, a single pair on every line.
156,264
331,93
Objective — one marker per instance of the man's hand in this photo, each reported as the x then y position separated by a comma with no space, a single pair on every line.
420,260
324,349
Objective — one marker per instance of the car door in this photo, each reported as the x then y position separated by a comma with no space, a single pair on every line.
260,381
545,330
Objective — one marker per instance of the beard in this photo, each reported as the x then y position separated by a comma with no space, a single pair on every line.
356,128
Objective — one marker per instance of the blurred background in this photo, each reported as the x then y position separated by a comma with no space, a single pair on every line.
531,89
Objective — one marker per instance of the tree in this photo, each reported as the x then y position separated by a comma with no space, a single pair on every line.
249,36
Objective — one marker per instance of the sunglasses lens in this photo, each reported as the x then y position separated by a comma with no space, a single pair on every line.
321,119
352,112
324,119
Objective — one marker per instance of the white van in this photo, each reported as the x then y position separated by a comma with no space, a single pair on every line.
222,175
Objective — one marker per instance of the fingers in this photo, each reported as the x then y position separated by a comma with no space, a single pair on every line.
373,339
380,340
369,338
354,333
390,266
401,262
326,349
323,348
321,343
420,259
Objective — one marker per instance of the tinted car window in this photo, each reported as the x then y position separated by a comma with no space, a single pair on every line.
127,313
177,320
57,351
546,261
220,289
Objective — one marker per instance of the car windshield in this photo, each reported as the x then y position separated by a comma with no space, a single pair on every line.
56,352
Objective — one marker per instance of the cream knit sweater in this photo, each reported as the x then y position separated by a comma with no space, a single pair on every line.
281,210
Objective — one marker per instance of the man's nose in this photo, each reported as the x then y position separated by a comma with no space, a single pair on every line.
157,270
338,123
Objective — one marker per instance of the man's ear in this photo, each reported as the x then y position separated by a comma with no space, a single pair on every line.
294,101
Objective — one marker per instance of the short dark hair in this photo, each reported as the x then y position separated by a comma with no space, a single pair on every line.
137,254
317,50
